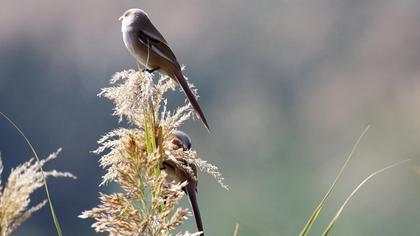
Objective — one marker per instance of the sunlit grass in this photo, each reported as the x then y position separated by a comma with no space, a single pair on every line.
315,214
23,180
133,158
340,210
318,209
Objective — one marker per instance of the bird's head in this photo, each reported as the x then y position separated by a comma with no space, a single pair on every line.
132,16
184,139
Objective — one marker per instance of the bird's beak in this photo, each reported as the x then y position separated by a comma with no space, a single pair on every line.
121,17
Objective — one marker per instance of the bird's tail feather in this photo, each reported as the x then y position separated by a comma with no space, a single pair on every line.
193,199
191,97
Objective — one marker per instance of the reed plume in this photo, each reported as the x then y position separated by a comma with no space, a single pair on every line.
133,159
15,194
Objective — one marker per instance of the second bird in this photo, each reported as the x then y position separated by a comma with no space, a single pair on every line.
151,50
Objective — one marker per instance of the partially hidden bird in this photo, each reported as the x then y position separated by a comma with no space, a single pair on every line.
147,45
179,175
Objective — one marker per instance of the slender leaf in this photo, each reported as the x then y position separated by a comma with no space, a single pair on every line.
236,230
318,209
337,215
54,216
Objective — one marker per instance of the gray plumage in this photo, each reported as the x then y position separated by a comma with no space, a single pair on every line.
150,49
176,174
184,138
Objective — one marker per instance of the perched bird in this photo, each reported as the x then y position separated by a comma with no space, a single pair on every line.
179,175
150,49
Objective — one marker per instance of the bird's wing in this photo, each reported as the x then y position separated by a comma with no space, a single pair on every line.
151,37
151,30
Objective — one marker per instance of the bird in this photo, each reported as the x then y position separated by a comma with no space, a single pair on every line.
179,175
147,45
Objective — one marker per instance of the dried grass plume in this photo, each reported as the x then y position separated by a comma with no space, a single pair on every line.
14,195
133,159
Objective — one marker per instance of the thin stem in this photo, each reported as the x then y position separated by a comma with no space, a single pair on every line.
54,216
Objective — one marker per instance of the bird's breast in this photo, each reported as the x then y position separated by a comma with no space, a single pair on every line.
128,40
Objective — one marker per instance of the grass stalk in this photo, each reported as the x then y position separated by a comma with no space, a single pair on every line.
53,215
318,209
340,210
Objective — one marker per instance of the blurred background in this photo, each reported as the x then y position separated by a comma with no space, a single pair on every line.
287,85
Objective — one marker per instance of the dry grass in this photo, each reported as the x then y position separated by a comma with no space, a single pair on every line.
315,214
15,194
133,159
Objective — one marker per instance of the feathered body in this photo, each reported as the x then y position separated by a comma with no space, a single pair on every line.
149,48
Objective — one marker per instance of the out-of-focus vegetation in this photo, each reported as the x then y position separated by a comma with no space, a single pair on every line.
286,86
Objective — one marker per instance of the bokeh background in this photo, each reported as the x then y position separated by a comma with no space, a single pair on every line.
287,85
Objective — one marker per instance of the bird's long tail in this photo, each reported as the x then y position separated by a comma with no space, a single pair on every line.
193,199
191,97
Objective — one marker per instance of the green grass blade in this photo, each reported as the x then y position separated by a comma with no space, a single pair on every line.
54,216
337,215
318,209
